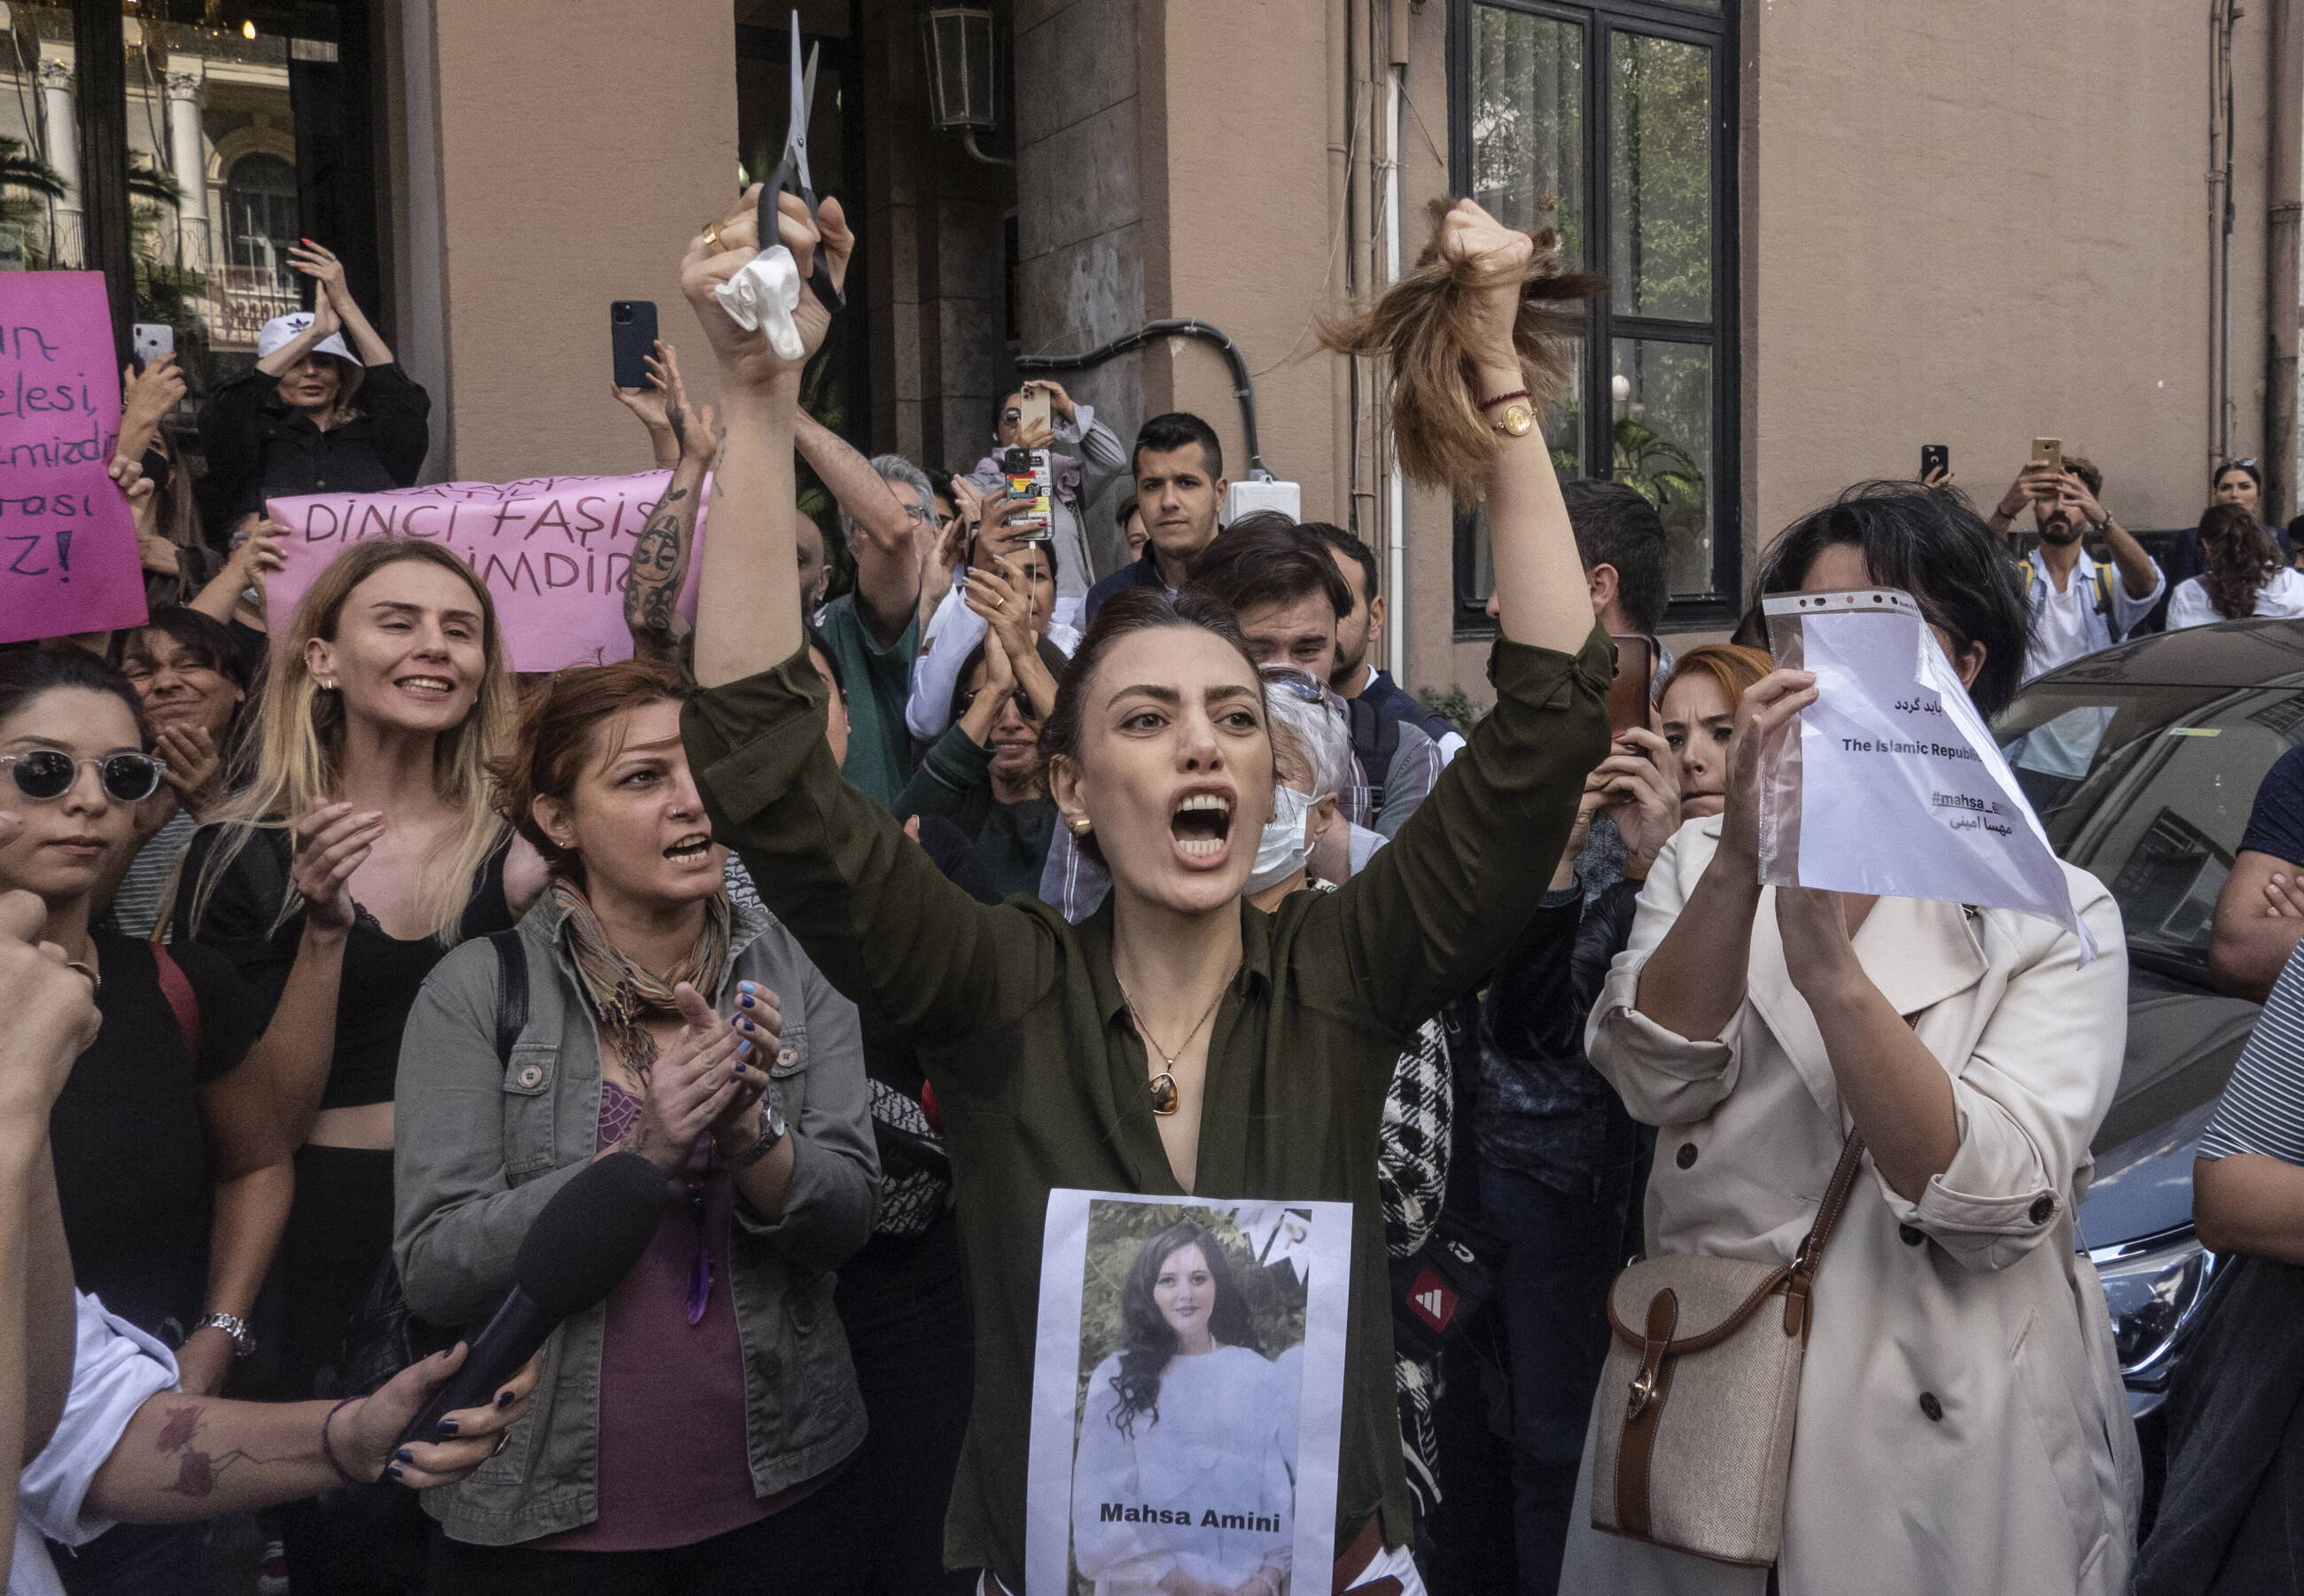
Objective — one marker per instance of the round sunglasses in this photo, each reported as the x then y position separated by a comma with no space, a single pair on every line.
44,774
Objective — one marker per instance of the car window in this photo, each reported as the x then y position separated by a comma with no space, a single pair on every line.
2148,788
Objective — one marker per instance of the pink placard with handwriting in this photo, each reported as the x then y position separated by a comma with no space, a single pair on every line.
68,561
552,552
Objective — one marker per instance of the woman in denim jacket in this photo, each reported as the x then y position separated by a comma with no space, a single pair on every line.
687,1433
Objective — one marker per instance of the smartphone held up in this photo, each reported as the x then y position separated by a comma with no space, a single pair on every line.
1030,471
632,339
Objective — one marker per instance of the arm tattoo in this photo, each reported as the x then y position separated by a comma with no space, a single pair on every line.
652,581
197,1471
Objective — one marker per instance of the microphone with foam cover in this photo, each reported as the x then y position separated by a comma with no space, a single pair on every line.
585,1241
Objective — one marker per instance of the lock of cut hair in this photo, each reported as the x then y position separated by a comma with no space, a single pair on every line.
1426,327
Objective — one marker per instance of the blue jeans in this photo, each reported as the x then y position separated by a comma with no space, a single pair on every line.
1563,1252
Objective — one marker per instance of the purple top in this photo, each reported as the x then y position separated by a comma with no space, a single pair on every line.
673,1465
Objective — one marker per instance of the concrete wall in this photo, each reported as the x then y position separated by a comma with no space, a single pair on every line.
933,260
1239,227
1972,223
1079,213
542,170
2007,235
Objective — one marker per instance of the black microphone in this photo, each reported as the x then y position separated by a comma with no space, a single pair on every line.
587,1239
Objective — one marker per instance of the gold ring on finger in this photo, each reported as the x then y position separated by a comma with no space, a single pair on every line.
712,236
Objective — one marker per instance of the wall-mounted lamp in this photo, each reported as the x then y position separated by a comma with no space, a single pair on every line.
958,44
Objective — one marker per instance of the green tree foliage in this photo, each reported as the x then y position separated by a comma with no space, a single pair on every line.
1660,177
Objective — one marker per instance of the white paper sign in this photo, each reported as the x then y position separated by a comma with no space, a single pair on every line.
1187,1393
1901,790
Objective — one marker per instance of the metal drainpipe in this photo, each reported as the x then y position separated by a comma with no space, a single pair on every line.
2215,186
2284,185
1395,640
2224,334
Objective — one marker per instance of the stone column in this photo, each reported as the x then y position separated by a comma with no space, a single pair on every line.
187,154
61,119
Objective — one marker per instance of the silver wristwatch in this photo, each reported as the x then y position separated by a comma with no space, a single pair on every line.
773,1130
243,1339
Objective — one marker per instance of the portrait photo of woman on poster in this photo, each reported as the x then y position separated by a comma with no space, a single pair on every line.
1183,1482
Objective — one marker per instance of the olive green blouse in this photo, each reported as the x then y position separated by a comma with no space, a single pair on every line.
1041,1078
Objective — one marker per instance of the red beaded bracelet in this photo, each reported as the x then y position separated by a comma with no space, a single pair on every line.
1504,398
329,1452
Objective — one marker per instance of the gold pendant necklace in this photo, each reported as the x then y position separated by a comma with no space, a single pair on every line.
1165,1095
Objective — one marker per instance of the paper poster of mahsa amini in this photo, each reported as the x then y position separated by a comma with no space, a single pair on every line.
1189,1463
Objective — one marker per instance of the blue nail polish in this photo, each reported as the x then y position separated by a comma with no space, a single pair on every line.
739,1067
404,1456
746,1026
503,1399
394,1470
746,986
743,1049
447,1427
746,1000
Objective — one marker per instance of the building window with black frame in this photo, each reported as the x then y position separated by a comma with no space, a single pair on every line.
1614,123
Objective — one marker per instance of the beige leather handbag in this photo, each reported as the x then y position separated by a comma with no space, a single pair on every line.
1700,1393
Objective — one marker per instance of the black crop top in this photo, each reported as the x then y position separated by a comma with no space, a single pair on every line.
130,1144
381,972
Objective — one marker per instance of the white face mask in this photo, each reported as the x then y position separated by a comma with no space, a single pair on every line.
1280,853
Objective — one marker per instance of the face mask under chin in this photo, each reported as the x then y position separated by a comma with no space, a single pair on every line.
1280,851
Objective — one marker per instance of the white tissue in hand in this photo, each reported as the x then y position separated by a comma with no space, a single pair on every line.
764,295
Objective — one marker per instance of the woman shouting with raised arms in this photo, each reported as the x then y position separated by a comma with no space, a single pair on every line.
1178,1041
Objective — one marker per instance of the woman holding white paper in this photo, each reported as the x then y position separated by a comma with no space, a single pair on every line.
1962,1426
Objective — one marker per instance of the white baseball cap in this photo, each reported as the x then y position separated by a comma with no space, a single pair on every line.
281,331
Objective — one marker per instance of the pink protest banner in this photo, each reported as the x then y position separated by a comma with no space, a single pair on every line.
68,557
551,550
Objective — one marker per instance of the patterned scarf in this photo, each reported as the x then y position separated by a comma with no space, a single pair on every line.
621,993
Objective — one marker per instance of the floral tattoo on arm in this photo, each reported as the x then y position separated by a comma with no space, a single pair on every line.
197,1471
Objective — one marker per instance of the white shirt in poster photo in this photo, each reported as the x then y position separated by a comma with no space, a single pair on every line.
1183,1427
1212,1449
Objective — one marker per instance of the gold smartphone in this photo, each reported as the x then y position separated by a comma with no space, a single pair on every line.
1034,410
2048,452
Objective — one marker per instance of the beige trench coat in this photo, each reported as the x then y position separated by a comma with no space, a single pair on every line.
1962,1430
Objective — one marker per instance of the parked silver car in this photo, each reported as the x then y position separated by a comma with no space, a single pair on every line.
2144,762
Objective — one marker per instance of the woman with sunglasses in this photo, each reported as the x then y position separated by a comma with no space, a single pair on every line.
985,775
363,848
172,1178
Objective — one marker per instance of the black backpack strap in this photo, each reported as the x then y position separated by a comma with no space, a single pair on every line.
1375,740
512,990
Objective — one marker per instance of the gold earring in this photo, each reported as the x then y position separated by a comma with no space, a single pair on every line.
1080,827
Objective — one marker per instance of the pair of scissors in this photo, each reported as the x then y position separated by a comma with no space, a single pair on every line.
792,172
